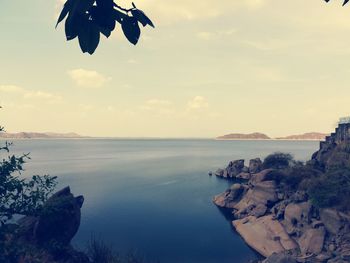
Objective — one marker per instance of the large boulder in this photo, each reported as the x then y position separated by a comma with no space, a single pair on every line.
58,221
229,198
332,220
312,240
262,193
255,165
261,176
235,167
295,214
264,234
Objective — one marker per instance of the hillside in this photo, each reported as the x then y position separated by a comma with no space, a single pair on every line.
241,136
306,136
38,135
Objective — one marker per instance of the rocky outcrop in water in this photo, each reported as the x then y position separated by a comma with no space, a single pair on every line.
274,222
280,221
237,169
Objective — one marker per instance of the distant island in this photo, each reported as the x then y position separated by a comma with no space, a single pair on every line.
39,135
317,136
242,136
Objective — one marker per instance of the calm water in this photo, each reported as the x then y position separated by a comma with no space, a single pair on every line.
153,195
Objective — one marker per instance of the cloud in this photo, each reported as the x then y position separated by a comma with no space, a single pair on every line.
157,102
197,103
11,89
88,78
175,10
206,35
16,92
49,97
158,107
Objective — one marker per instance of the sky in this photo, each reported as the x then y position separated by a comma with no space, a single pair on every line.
208,68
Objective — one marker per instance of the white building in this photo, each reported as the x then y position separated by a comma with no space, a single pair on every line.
344,120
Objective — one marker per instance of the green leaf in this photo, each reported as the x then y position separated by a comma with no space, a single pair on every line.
131,29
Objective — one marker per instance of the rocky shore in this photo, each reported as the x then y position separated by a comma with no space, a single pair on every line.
281,223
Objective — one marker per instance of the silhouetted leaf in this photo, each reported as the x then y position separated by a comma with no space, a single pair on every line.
81,6
89,37
86,19
141,17
64,13
104,19
72,25
118,16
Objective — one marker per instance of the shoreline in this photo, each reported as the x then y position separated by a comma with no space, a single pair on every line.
155,138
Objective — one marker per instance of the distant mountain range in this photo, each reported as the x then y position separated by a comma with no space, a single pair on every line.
39,135
261,136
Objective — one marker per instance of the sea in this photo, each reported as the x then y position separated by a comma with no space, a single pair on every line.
153,196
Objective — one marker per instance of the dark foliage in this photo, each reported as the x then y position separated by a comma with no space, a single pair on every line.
87,19
19,196
278,160
332,189
99,252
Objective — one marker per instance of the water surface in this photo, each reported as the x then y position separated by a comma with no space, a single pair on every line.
153,195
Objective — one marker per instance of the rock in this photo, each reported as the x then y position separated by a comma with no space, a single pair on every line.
280,258
245,176
299,196
311,242
259,211
245,169
331,247
317,224
260,234
331,220
230,197
322,258
58,222
255,165
263,193
219,172
210,173
296,213
234,168
261,176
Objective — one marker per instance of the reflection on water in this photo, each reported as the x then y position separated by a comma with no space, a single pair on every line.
153,195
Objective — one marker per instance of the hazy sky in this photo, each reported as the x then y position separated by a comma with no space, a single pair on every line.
209,68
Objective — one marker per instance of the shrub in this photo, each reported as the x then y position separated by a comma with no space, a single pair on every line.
297,175
331,189
19,196
99,252
278,160
275,175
